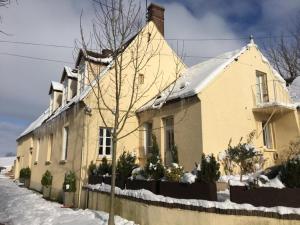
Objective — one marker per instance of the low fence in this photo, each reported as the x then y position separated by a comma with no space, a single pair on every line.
145,212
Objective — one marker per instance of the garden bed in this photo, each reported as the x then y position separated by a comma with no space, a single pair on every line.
266,196
94,179
120,183
197,190
150,185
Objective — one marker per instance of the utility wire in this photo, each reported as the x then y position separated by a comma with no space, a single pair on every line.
35,58
170,39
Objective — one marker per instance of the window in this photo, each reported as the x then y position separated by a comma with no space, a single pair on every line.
81,76
50,147
65,143
51,102
147,137
141,79
262,87
267,135
169,139
37,150
66,91
105,141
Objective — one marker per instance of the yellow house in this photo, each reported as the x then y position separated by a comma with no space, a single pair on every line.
71,134
221,99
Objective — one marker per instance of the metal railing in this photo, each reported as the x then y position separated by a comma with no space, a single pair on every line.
274,92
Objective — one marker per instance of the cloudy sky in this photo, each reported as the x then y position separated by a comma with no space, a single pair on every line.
24,82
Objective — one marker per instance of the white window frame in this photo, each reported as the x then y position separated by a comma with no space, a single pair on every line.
262,87
37,152
267,135
65,143
81,76
147,137
104,138
65,91
50,147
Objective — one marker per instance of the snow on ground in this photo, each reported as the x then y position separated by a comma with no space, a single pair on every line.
227,204
6,162
19,206
263,180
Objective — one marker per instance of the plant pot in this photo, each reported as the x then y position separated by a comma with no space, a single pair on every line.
95,179
197,190
46,192
120,183
266,196
150,185
27,182
69,199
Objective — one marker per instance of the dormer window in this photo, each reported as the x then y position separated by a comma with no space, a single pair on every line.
55,92
81,76
69,82
66,91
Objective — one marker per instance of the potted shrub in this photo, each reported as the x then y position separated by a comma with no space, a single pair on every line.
47,183
93,178
152,172
69,187
204,187
25,175
104,171
125,165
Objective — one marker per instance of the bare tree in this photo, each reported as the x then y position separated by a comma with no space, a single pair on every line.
284,53
119,27
3,3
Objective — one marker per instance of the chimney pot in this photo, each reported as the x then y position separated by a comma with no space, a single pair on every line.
156,15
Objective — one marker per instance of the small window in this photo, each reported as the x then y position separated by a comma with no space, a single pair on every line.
141,78
50,147
65,143
81,76
267,135
37,150
65,91
105,141
147,137
262,87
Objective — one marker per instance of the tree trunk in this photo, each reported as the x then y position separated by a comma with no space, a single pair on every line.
111,220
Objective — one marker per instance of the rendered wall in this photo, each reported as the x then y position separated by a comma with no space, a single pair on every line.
146,214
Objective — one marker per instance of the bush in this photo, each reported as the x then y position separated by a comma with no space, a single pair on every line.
174,153
154,168
104,168
174,173
290,173
25,173
125,165
245,156
92,169
292,151
209,170
69,182
47,179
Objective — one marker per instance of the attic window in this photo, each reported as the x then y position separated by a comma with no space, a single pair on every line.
141,78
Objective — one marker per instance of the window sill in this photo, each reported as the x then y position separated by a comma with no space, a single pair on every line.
35,163
268,149
62,162
100,157
48,163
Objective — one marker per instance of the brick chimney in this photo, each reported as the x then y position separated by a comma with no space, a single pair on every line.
156,14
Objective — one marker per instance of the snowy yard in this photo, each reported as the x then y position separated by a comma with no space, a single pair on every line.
19,206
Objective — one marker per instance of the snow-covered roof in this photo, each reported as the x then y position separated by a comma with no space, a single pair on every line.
194,79
197,77
70,72
56,86
35,124
294,90
7,161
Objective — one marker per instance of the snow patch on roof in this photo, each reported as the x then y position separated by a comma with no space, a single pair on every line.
56,86
35,124
70,72
195,79
100,60
294,90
